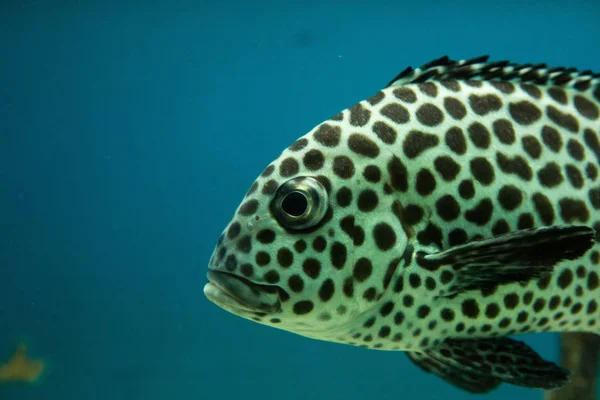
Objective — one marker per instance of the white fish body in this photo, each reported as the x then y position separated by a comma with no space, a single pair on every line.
454,208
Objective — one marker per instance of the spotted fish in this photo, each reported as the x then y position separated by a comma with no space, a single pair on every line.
454,208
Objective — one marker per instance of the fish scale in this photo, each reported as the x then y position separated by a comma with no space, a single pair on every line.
455,207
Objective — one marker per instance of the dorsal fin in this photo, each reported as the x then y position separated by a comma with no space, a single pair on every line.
480,68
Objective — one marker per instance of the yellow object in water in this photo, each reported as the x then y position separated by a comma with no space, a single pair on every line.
20,368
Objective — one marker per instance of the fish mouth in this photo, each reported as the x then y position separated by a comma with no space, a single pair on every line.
237,294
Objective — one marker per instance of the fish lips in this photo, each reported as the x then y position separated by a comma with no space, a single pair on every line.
238,294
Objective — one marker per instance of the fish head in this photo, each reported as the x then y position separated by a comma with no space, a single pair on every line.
318,237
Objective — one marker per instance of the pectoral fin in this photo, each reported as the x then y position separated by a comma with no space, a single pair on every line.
463,379
479,366
512,257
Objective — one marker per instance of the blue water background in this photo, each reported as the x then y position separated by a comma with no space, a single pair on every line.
130,131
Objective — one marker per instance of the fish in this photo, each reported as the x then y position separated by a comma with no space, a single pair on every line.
20,368
455,208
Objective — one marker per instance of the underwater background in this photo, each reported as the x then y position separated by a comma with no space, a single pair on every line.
129,133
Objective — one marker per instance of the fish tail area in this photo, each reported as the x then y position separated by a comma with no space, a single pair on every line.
579,353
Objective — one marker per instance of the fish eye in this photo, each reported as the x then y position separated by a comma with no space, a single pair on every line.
300,203
294,204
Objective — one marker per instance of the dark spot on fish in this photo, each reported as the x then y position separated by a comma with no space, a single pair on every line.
328,135
430,115
514,165
362,145
417,142
563,120
558,94
479,135
585,107
481,213
398,174
504,131
396,112
573,210
359,115
524,112
405,94
456,141
532,146
485,104
386,133
455,108
470,308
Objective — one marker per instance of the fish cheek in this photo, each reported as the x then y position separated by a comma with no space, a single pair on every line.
379,242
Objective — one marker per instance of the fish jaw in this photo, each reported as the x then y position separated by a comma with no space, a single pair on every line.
240,295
